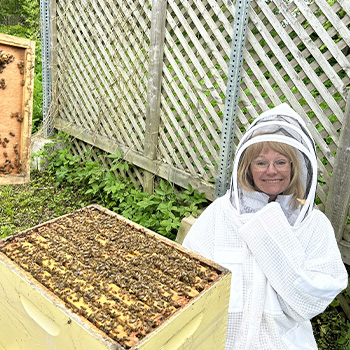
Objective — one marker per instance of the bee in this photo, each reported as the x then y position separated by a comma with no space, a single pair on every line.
3,84
20,65
17,116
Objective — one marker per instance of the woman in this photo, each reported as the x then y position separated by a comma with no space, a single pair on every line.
285,263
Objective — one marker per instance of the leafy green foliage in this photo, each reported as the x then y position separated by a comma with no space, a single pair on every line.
24,12
331,330
25,206
161,212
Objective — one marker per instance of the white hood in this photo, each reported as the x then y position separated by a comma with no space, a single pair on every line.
282,124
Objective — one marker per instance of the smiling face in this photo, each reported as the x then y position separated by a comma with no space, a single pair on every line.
272,179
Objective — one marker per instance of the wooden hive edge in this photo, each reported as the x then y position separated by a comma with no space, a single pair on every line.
59,303
81,320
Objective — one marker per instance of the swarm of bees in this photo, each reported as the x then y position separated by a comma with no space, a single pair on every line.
20,65
9,165
5,59
122,279
11,156
17,116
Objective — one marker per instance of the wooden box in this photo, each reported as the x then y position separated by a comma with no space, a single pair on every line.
16,107
95,280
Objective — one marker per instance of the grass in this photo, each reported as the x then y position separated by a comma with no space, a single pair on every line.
24,206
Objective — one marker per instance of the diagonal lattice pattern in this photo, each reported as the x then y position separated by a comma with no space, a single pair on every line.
296,51
101,68
194,83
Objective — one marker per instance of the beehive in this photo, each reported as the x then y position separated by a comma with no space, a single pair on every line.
94,280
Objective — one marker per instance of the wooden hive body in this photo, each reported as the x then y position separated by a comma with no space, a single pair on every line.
114,285
16,107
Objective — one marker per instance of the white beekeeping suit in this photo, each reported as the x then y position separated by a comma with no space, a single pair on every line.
285,263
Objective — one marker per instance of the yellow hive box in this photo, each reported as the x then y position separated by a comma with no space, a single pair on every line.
95,280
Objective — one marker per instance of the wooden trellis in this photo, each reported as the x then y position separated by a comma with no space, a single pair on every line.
296,51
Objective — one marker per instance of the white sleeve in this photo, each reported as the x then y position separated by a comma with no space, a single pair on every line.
200,237
306,277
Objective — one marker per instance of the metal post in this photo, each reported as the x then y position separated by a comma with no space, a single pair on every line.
232,96
46,66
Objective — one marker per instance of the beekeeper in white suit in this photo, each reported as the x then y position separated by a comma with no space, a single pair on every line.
285,263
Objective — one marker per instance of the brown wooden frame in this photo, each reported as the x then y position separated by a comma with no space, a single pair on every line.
16,108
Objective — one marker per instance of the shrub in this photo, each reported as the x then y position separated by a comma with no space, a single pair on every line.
161,212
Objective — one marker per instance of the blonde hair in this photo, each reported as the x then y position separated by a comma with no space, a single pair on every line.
244,174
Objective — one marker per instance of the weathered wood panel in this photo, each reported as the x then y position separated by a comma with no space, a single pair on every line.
17,57
296,52
337,206
154,86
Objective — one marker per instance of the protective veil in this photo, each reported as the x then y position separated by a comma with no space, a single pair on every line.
285,263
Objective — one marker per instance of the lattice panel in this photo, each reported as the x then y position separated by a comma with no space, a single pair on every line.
80,148
297,51
196,55
102,63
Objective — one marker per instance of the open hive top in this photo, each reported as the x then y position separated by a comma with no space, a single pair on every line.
120,277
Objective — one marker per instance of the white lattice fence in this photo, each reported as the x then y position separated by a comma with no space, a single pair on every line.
89,152
195,68
296,51
102,68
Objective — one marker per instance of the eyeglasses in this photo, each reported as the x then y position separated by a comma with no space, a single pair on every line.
263,165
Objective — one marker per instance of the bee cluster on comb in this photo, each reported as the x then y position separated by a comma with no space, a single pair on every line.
5,59
121,278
